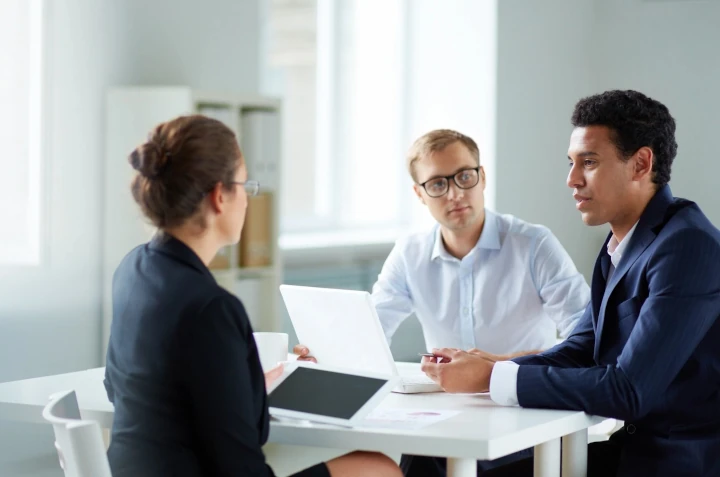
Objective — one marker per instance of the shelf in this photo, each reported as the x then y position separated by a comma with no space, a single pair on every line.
243,273
240,101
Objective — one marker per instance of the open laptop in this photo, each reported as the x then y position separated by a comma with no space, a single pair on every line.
341,328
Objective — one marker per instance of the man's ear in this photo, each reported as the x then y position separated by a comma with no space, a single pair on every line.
643,162
418,192
216,198
482,177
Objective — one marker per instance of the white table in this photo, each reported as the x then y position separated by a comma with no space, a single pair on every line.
483,430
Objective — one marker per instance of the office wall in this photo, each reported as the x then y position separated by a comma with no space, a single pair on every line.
543,69
552,53
209,45
50,316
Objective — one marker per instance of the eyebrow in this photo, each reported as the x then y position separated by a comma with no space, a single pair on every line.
463,168
585,154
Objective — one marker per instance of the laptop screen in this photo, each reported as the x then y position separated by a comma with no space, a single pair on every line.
340,327
326,393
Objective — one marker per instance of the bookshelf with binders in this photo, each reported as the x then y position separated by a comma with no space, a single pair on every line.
252,270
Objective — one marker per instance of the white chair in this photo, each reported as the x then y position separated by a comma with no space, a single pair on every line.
79,443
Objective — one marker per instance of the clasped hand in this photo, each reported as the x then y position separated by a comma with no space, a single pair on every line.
458,371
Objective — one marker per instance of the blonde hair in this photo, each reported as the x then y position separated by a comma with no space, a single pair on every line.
435,141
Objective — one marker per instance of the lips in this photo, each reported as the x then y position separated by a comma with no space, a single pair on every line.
458,209
580,200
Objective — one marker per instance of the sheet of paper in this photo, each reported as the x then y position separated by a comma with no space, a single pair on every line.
405,419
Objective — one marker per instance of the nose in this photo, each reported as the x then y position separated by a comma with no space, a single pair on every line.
575,178
454,192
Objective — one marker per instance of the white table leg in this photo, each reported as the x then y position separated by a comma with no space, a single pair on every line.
574,454
461,467
547,459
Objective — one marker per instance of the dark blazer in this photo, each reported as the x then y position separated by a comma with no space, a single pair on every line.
647,349
182,371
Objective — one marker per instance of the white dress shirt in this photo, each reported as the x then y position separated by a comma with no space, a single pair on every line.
514,291
503,380
616,249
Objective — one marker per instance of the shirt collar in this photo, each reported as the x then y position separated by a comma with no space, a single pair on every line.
615,249
489,238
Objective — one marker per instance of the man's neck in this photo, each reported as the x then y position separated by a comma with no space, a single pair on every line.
459,243
622,225
620,231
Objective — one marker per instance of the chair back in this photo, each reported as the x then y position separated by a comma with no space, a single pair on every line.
79,443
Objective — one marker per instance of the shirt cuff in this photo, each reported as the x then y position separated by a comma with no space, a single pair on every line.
503,383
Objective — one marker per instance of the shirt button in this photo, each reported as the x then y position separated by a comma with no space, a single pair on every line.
466,310
631,429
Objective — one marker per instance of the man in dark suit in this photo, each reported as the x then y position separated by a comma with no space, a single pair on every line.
647,350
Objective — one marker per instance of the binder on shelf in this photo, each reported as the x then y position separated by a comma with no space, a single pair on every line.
256,241
260,143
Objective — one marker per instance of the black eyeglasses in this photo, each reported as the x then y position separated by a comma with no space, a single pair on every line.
251,187
465,179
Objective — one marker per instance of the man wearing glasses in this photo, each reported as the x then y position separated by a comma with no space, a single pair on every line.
477,280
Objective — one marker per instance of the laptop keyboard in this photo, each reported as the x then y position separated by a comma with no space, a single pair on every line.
417,379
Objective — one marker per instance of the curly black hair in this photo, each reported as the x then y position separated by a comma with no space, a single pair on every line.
634,120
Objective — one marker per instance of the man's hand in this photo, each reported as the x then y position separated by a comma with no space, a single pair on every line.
459,371
273,374
502,357
303,353
488,356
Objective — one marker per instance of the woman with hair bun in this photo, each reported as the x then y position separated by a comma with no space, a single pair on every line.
182,368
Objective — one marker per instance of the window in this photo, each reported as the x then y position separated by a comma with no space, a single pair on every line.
344,133
379,74
20,171
361,133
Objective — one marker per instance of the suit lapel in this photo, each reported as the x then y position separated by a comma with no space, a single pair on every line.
599,283
599,278
605,263
643,236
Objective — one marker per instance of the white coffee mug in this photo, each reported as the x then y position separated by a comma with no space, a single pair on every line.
272,348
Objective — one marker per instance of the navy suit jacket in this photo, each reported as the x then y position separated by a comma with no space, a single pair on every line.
647,349
182,371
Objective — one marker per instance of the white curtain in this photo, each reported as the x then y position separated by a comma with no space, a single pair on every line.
20,157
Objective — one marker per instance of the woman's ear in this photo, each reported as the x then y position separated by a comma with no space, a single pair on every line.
216,198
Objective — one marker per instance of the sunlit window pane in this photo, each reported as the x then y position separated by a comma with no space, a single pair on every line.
20,86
